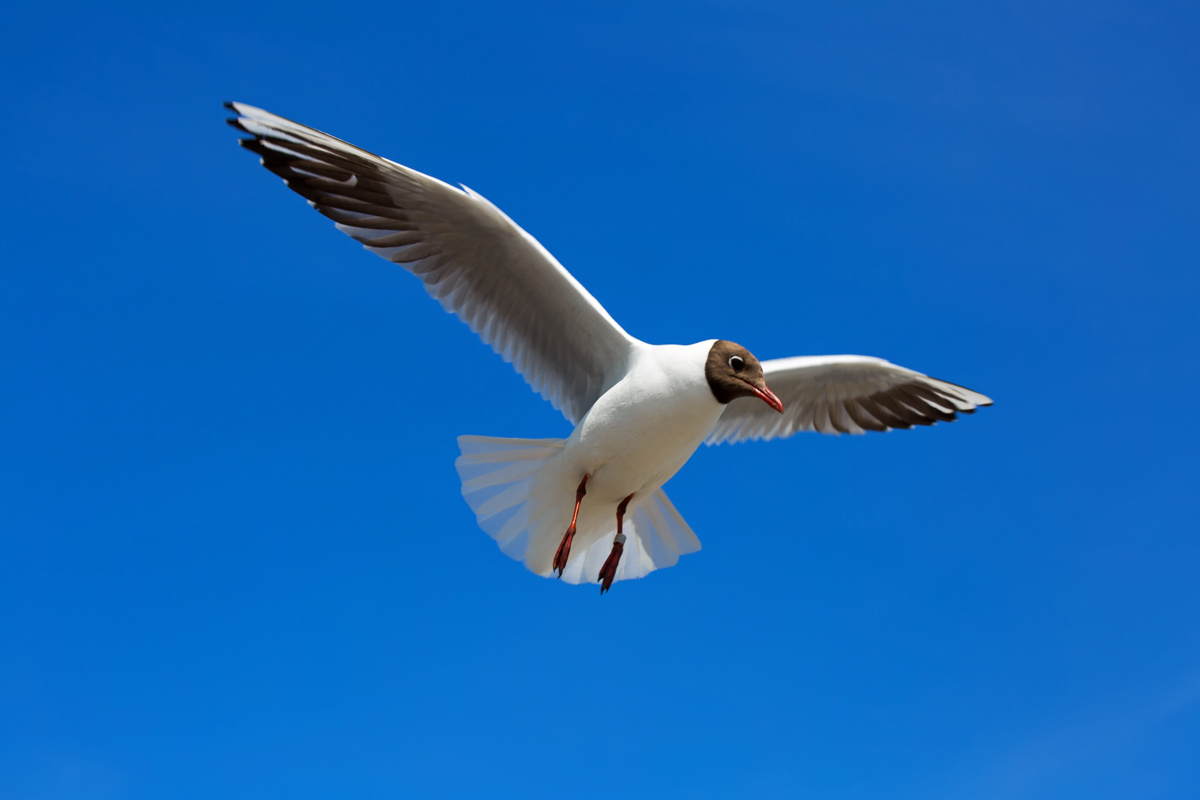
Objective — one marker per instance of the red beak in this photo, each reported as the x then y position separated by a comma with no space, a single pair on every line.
768,397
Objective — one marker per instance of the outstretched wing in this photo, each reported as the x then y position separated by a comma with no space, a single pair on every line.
843,394
475,260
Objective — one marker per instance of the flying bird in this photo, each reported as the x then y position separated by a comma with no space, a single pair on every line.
588,508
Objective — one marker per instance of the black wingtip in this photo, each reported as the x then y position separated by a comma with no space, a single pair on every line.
234,122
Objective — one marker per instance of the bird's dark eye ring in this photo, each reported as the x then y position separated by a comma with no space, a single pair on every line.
737,362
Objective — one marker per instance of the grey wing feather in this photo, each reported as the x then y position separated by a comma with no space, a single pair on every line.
478,263
843,394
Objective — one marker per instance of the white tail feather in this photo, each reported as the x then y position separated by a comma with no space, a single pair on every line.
499,476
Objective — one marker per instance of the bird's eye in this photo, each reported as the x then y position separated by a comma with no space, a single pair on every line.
737,362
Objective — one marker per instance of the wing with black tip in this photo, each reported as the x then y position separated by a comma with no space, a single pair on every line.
477,262
843,394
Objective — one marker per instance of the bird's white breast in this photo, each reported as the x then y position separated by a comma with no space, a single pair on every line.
643,429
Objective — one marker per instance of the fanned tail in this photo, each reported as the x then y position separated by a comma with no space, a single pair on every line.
521,501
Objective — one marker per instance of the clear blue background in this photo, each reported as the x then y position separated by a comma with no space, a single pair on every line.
234,561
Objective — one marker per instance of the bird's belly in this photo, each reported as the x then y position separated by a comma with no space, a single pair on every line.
636,444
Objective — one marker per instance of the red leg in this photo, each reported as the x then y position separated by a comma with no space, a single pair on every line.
608,573
564,547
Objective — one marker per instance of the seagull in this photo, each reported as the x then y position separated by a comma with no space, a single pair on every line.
588,508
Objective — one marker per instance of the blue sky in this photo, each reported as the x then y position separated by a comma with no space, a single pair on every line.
234,561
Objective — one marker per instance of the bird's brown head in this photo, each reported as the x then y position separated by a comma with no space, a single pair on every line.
734,372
